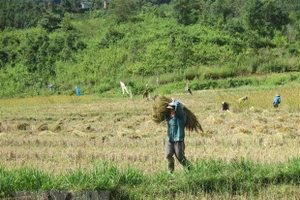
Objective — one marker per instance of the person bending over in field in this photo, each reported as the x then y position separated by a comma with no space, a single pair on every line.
225,106
175,135
242,100
276,101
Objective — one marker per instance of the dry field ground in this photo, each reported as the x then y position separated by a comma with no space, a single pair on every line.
59,133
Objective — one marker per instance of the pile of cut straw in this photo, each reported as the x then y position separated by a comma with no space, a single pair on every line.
160,113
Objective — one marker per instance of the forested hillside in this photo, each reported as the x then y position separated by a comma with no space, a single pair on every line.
212,43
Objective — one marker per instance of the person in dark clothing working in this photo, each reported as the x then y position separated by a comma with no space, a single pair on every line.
225,106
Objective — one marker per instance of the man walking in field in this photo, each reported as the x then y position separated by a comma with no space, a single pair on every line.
175,134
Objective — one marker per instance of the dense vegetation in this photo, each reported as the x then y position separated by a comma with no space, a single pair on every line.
212,177
137,41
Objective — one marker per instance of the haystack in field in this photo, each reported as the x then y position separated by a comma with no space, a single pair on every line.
160,113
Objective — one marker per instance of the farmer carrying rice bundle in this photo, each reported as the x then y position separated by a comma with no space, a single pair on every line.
160,113
178,118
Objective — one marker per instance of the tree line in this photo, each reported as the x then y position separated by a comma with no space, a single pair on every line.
263,16
41,41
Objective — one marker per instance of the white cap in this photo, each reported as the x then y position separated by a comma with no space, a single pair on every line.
170,107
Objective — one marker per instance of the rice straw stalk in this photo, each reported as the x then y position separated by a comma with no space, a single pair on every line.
160,113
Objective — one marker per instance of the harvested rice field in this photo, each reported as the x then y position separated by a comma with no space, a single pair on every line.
61,133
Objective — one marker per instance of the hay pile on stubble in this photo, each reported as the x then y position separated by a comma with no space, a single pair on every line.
160,113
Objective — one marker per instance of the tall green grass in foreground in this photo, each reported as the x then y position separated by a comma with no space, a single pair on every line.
211,177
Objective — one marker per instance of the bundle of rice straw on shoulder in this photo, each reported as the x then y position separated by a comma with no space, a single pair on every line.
160,113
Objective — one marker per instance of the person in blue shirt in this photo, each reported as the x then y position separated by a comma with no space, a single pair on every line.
276,101
175,135
77,90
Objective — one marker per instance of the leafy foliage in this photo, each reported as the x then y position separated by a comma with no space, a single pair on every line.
65,45
123,10
187,12
265,16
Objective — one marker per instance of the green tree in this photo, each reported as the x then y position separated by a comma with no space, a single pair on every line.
265,17
66,4
187,12
222,10
123,10
19,14
253,14
66,23
50,21
274,16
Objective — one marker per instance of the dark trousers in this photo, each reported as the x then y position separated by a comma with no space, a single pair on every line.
176,148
